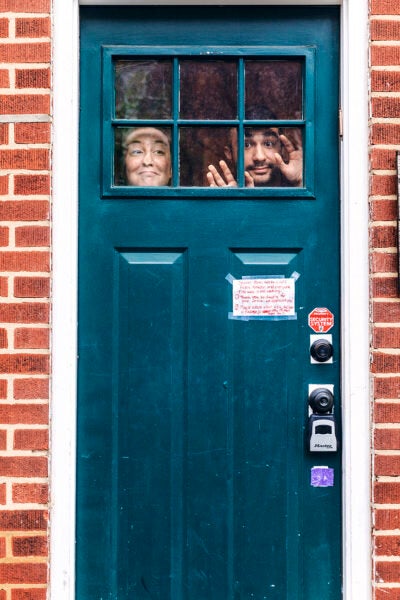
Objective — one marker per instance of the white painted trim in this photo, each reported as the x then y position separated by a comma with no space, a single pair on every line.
357,479
355,303
65,215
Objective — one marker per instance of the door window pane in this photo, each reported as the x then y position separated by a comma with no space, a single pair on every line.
143,156
208,89
200,147
273,156
273,89
143,89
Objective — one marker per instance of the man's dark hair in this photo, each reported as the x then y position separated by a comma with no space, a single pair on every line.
260,112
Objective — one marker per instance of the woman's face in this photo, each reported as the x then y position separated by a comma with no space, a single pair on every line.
148,158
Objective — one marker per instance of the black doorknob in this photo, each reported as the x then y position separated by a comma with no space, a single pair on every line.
321,400
321,350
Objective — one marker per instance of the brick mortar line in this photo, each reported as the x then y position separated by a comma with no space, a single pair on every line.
26,426
25,91
380,197
387,426
13,326
16,171
24,402
384,376
374,401
392,223
40,300
24,453
30,198
385,68
378,172
386,351
27,118
384,17
40,376
381,586
25,146
32,66
385,121
15,560
41,223
384,147
31,351
386,532
14,248
26,15
21,480
23,506
385,94
385,43
24,40
385,251
11,29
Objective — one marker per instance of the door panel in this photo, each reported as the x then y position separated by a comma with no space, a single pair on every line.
194,479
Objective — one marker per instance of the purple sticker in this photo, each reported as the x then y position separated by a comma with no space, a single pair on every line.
322,477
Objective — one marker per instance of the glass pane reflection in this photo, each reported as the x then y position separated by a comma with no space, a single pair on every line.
143,89
273,89
208,89
143,156
200,147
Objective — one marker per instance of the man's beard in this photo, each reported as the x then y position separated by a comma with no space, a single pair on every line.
271,179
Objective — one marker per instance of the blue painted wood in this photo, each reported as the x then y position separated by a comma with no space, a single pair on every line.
193,477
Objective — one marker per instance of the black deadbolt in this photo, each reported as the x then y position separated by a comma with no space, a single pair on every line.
321,350
321,400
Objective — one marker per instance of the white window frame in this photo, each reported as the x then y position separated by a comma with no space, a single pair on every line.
355,299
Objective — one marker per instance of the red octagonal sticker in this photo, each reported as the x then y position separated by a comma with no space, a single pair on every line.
321,320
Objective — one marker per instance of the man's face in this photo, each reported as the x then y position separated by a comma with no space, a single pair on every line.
148,157
260,147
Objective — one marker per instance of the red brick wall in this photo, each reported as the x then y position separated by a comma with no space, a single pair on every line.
25,106
385,303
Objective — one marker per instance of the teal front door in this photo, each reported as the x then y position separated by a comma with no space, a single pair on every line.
209,463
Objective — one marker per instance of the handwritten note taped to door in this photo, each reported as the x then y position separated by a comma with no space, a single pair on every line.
263,297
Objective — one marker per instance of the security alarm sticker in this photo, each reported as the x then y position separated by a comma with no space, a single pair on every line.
321,320
265,298
322,477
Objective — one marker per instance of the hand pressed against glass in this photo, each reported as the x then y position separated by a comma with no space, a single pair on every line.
263,161
147,157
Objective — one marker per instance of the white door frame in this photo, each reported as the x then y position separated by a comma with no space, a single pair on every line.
355,299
